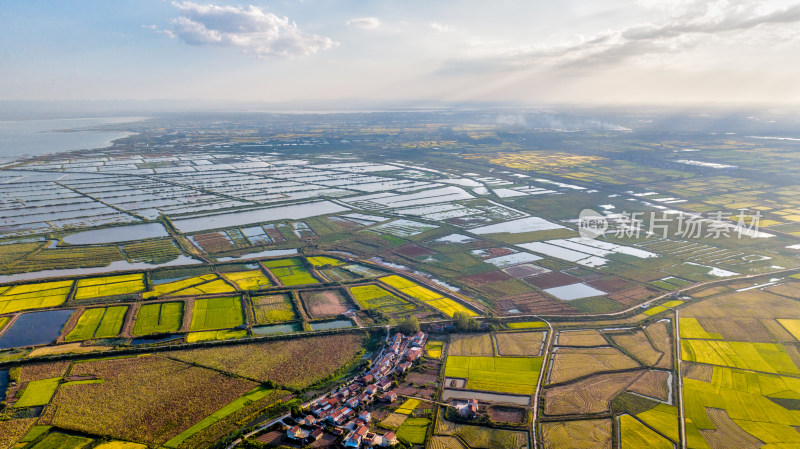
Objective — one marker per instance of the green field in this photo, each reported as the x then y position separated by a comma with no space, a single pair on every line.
62,441
103,322
514,375
635,435
217,313
270,309
38,392
413,430
254,395
158,318
215,335
290,271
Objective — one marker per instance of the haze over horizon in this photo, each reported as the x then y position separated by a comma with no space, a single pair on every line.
326,53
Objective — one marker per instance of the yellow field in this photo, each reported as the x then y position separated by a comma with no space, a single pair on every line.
109,286
110,279
34,296
215,335
248,280
432,348
635,435
691,328
793,326
319,261
120,445
527,325
408,406
169,287
765,357
446,305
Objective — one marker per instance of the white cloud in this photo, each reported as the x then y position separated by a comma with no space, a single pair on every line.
155,28
440,27
250,29
367,23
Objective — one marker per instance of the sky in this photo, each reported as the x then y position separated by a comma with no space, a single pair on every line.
521,52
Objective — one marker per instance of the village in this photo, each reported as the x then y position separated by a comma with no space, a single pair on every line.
343,414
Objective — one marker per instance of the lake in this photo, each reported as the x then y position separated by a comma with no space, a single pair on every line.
336,324
27,138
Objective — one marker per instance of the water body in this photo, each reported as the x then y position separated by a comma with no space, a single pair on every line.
36,328
117,234
27,138
276,329
153,340
4,379
118,265
336,324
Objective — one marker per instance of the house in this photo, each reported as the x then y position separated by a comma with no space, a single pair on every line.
418,339
355,438
403,367
339,416
389,397
368,379
371,390
315,435
308,421
389,439
384,384
353,403
296,433
413,354
372,439
365,416
467,409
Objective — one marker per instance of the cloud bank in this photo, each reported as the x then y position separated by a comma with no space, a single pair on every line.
249,29
690,24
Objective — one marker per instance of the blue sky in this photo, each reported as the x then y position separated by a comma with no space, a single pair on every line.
527,51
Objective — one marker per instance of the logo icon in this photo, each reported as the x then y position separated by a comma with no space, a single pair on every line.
591,224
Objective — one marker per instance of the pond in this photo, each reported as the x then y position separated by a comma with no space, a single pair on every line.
448,394
336,324
119,265
277,329
36,328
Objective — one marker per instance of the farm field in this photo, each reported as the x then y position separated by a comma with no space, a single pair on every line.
373,297
434,349
34,296
217,313
446,305
290,271
586,434
38,392
634,434
109,286
481,437
523,344
325,303
248,280
294,363
270,309
515,375
158,318
590,395
146,399
471,345
225,334
413,430
98,323
572,363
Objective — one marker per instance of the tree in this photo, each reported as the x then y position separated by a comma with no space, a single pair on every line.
464,322
409,326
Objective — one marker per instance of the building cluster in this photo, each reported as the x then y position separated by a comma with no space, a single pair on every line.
338,409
